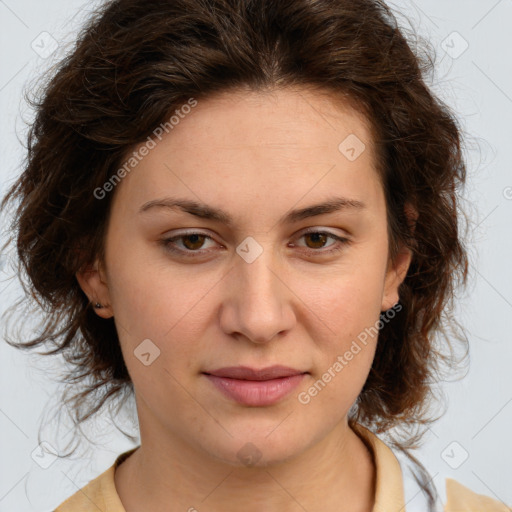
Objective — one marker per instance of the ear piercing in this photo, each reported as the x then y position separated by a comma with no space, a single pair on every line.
98,305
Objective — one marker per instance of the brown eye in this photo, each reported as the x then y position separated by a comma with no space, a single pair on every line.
195,241
191,244
318,239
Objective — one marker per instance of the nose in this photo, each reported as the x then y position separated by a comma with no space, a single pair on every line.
258,303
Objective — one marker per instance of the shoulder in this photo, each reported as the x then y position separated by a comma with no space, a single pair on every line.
89,497
98,494
460,498
397,476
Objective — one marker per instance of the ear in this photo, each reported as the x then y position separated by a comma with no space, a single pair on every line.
92,280
397,270
395,274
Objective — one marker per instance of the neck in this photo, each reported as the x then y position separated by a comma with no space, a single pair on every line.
336,473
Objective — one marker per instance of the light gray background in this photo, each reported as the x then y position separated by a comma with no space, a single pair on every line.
477,84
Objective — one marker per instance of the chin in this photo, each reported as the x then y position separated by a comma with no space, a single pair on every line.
258,450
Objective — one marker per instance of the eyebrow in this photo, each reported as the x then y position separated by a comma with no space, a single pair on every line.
205,211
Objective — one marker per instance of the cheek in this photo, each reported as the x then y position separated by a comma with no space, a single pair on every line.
344,302
170,310
346,315
343,366
153,297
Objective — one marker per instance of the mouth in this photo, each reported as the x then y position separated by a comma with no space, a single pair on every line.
248,373
253,387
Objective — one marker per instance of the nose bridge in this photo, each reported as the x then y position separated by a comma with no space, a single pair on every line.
259,305
258,280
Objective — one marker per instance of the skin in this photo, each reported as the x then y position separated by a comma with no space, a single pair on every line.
256,156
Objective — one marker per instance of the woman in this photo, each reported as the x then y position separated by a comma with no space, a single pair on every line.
245,213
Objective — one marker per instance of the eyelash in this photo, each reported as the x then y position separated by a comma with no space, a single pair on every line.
166,242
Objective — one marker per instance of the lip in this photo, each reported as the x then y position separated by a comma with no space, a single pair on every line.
254,387
248,373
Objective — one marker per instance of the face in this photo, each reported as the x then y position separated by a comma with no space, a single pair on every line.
191,293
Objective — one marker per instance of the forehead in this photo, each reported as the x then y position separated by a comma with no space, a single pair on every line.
261,146
295,119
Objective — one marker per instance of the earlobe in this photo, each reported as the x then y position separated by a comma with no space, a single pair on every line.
94,286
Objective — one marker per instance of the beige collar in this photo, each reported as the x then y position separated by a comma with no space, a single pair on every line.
389,488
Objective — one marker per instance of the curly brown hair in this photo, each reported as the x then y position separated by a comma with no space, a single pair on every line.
135,62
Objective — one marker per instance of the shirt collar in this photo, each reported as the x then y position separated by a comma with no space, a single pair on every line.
389,487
